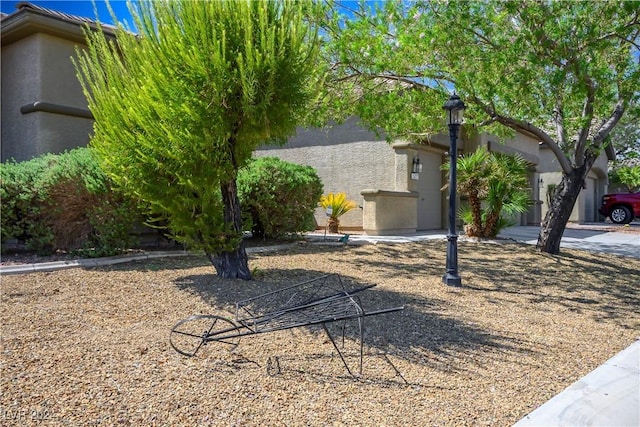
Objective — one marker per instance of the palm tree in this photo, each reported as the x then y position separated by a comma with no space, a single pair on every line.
508,192
496,188
472,174
336,206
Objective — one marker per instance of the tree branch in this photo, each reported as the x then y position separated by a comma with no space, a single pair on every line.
542,135
587,115
633,22
487,122
610,123
558,115
519,125
402,79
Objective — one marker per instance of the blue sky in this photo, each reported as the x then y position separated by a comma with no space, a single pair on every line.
82,8
85,9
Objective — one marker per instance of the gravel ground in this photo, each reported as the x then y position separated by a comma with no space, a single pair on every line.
85,347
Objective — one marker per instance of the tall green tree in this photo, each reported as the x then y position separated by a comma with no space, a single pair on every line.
625,169
564,72
629,176
180,106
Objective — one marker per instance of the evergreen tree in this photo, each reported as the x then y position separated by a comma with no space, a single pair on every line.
180,107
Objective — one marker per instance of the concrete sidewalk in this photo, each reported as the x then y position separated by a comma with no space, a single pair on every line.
607,396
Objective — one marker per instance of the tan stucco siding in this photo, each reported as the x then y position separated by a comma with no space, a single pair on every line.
38,68
59,83
346,158
428,188
389,212
348,168
20,85
523,145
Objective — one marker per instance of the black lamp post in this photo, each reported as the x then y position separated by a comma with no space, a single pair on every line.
454,108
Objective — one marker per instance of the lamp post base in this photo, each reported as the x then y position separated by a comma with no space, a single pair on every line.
453,280
451,276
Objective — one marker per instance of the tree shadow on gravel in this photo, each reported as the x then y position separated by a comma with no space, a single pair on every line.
419,334
600,285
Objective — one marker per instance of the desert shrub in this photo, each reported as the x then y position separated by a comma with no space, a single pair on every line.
23,192
278,197
92,223
65,202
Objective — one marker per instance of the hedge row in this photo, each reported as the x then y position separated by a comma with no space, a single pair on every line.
65,202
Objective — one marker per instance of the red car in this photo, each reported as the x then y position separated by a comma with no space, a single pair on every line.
622,208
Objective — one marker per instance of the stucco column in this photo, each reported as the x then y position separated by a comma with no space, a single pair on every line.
403,170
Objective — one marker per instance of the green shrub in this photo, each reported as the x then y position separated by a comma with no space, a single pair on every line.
64,202
278,197
23,193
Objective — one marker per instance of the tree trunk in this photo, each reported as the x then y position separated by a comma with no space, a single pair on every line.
334,225
474,229
557,216
233,264
491,224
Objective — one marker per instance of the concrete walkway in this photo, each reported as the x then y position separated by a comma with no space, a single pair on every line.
608,396
588,237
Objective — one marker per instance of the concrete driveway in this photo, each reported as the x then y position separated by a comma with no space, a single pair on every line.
588,237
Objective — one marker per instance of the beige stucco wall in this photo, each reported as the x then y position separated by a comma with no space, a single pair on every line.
38,68
389,212
430,199
58,76
521,144
20,85
347,158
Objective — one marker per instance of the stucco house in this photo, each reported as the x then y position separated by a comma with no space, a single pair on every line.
43,107
379,176
44,110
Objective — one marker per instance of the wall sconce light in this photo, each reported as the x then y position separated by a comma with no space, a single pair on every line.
416,168
540,181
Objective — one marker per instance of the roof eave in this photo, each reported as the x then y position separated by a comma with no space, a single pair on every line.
26,22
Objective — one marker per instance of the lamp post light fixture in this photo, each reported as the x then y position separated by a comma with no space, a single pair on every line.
454,108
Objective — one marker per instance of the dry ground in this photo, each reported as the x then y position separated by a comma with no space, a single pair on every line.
90,346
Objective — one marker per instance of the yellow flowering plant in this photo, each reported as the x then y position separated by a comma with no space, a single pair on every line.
336,205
